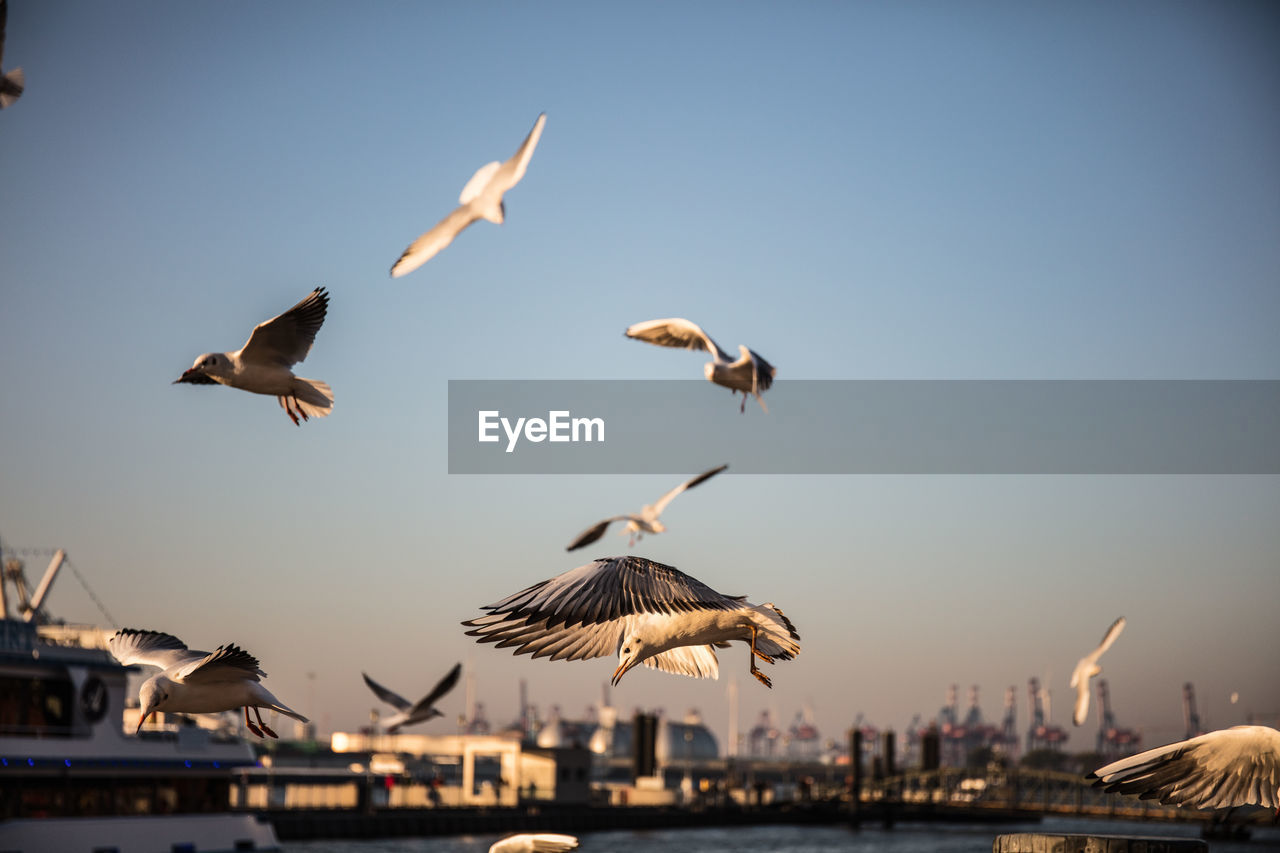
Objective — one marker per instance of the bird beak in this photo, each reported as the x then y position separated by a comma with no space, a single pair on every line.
142,720
621,671
186,376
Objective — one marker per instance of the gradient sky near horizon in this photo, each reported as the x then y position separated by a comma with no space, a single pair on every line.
920,190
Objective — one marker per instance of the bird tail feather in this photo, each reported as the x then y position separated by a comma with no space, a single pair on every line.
311,398
778,637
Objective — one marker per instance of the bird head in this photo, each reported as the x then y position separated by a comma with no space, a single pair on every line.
206,369
150,697
631,652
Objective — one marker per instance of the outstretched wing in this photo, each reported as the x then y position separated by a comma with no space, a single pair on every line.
286,340
1231,767
150,648
677,332
510,173
224,662
444,686
591,534
390,697
584,612
429,244
661,503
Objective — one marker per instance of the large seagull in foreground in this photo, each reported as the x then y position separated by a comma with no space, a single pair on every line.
750,373
191,682
642,611
481,198
646,521
263,364
1232,767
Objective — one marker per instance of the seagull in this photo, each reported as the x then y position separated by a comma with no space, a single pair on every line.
410,712
481,198
644,612
192,682
545,842
750,374
1088,667
262,364
11,84
647,520
1231,767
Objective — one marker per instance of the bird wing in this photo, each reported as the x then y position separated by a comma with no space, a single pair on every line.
229,662
677,332
390,697
693,661
764,370
543,842
478,182
150,648
1080,681
1231,767
594,532
509,173
286,340
429,244
584,612
1109,637
661,503
444,686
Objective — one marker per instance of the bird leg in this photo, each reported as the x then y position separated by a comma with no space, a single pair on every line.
760,676
264,726
742,410
253,728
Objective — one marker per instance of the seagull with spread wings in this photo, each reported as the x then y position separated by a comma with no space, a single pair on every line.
1239,766
481,198
192,682
263,364
750,373
646,521
13,83
642,611
542,842
1088,667
408,713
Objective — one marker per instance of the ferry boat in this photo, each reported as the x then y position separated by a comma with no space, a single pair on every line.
73,781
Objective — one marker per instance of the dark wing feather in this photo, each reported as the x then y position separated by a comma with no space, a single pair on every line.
764,371
215,664
444,686
287,339
392,698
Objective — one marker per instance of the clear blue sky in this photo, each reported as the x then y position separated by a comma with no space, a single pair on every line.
863,191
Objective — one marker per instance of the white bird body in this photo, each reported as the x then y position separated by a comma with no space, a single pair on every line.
543,842
13,82
408,713
1232,767
646,521
748,374
1087,668
645,612
481,198
262,365
195,682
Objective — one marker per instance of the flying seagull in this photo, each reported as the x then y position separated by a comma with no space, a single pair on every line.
481,198
1088,667
192,682
409,712
750,374
642,611
11,84
647,519
545,842
1231,767
262,364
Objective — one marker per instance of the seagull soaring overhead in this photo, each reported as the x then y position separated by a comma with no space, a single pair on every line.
1088,667
647,519
644,612
545,842
410,712
481,198
11,84
192,682
263,364
750,374
1238,766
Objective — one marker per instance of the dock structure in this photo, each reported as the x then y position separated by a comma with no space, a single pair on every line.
1038,842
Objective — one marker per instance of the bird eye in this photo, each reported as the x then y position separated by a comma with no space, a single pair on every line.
626,651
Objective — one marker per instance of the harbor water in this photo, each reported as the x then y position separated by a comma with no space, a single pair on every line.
903,838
